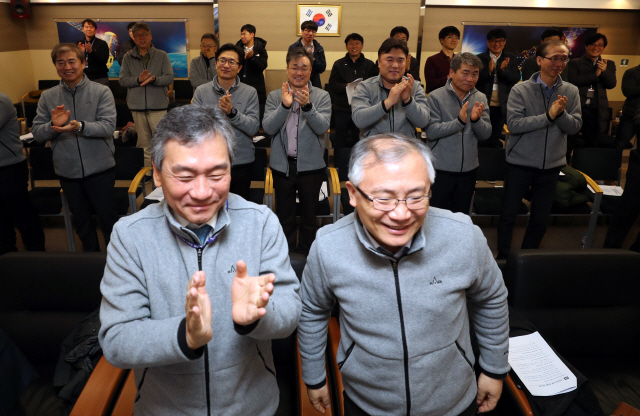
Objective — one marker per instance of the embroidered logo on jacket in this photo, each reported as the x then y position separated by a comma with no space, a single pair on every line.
435,282
232,269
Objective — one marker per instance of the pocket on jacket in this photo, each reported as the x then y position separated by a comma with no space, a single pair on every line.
346,355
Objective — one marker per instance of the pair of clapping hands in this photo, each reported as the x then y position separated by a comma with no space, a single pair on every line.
249,298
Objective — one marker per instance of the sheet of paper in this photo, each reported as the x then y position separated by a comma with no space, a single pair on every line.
256,139
611,190
351,87
28,138
538,367
156,195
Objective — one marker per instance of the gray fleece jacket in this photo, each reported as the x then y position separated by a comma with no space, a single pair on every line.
245,122
152,96
79,154
10,144
311,126
404,346
150,261
199,73
535,140
370,116
454,142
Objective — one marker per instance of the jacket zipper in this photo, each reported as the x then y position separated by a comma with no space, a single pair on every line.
206,351
405,350
546,133
75,113
462,138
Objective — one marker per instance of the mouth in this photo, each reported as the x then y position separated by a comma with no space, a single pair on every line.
396,229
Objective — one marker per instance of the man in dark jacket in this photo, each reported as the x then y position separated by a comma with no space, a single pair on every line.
255,62
593,76
346,70
436,69
308,42
628,126
499,74
79,117
127,45
530,65
96,53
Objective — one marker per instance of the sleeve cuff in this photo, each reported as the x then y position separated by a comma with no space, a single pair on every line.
383,106
245,329
307,107
285,107
474,122
494,375
233,113
182,342
407,103
317,386
461,122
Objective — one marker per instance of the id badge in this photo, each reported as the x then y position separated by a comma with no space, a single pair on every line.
590,92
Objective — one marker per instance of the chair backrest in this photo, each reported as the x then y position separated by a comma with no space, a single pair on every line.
341,161
183,89
584,302
598,163
45,84
41,161
119,92
129,161
492,164
259,164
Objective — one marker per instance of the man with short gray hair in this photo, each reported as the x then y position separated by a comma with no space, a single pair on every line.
459,119
406,283
147,73
211,353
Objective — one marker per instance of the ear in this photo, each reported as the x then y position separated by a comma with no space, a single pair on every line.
157,178
539,60
352,194
239,68
451,72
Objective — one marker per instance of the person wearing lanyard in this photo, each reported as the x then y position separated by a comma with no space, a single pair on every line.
96,52
499,74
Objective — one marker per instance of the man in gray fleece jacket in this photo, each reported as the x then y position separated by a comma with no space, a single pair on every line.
239,102
459,118
390,102
541,112
297,115
409,281
79,117
211,354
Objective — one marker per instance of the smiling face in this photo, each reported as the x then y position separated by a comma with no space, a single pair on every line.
299,72
247,38
550,68
464,79
354,48
392,66
408,177
142,39
450,42
226,71
594,50
308,35
496,45
70,68
195,180
89,30
208,47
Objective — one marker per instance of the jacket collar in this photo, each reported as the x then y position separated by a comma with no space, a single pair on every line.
85,81
451,90
536,75
360,58
217,88
136,52
188,236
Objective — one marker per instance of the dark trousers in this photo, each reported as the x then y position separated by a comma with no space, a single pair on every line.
497,125
517,182
16,210
590,129
308,186
241,179
453,191
351,409
627,211
88,195
626,130
346,131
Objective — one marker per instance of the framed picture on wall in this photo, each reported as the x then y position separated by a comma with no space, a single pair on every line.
327,16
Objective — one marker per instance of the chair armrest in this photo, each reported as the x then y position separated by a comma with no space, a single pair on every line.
100,390
334,339
306,408
592,183
519,395
23,125
124,406
136,181
624,409
335,182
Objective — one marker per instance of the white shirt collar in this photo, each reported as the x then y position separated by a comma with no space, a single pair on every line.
403,250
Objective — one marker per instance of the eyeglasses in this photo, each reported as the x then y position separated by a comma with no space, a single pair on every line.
453,37
556,59
501,40
202,45
597,45
389,204
231,62
141,36
303,69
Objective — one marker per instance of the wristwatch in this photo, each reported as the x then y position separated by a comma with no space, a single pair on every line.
307,107
79,129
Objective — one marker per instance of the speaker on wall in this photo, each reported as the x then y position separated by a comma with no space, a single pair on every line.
20,9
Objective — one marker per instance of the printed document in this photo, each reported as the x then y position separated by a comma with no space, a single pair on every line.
351,87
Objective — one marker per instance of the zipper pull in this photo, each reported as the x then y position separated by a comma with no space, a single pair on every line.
199,258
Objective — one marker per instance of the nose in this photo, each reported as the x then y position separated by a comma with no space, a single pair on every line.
200,189
401,212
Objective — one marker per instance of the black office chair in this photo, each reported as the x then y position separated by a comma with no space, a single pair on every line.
341,162
600,165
